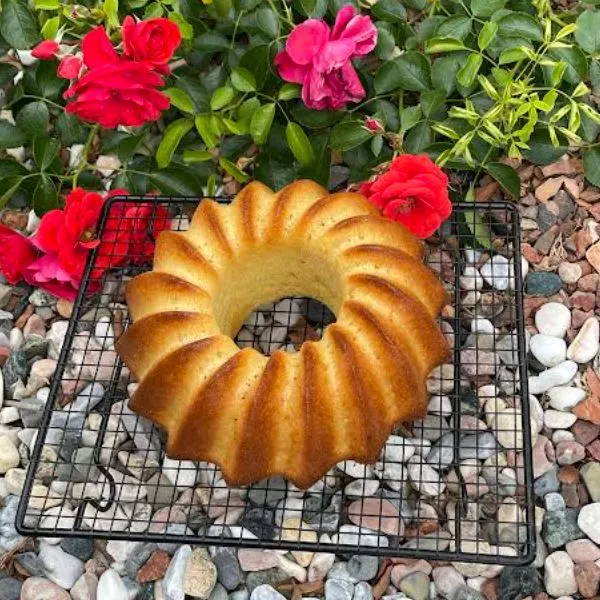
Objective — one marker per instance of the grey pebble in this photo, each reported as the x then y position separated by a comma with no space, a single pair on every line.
10,588
266,592
560,527
31,563
547,483
218,593
81,548
273,576
338,589
363,568
362,591
464,592
228,567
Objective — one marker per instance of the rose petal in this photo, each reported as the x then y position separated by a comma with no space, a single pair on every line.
97,49
288,70
306,41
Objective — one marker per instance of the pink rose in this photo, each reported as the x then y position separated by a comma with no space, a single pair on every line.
320,58
45,50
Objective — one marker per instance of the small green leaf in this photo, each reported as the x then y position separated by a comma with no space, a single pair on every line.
348,135
180,99
487,34
45,150
444,70
577,66
33,118
10,185
50,28
242,80
176,181
70,129
409,117
457,26
47,4
247,109
154,10
595,76
206,130
222,7
268,22
411,72
45,196
522,25
18,25
211,41
299,144
11,136
385,41
541,150
587,33
591,165
186,29
466,76
289,91
261,122
486,8
438,45
512,55
507,177
478,228
239,128
111,9
230,168
171,138
195,156
389,10
431,100
222,97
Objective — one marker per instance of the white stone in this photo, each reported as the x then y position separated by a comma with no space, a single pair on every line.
424,478
107,164
266,592
121,550
472,255
355,469
61,567
85,587
508,425
549,350
16,338
9,414
447,580
496,272
565,398
319,565
111,586
362,488
553,319
561,374
558,419
589,521
75,155
104,332
471,279
9,455
537,412
559,576
353,535
562,435
398,449
440,405
181,473
393,474
172,583
569,272
481,325
587,342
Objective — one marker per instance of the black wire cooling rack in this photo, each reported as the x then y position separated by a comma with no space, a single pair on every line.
456,485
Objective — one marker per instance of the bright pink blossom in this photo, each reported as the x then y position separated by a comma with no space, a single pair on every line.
70,67
319,58
45,50
47,274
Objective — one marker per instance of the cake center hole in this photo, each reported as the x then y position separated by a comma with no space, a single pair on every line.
284,324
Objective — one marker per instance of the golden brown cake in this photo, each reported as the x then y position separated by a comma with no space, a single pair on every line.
292,414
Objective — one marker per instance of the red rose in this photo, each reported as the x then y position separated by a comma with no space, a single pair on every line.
97,49
70,67
118,94
45,50
152,42
414,192
16,254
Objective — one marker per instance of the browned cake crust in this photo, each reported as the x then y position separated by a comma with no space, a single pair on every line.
291,414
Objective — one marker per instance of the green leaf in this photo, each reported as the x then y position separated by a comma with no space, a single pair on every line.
247,109
222,97
587,33
511,56
111,9
46,4
11,136
595,76
186,29
195,156
486,8
466,76
211,41
418,138
230,168
591,165
389,10
457,26
315,119
478,228
385,41
487,34
577,69
289,91
45,76
50,28
444,70
319,170
411,72
348,135
18,25
45,150
242,80
154,10
541,150
180,99
222,7
177,181
409,117
7,73
33,118
507,177
268,22
521,25
211,186
45,196
438,45
8,186
9,167
239,128
299,144
431,100
171,138
70,129
258,61
261,122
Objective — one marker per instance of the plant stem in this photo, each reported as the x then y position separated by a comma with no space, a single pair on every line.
84,159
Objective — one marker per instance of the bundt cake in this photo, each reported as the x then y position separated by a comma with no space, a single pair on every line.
292,414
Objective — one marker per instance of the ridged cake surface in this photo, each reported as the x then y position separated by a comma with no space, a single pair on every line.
292,414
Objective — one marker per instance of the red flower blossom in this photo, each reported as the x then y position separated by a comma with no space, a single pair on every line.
414,192
374,125
16,254
70,67
152,42
45,50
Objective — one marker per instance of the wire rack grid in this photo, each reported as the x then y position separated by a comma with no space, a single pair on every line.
456,485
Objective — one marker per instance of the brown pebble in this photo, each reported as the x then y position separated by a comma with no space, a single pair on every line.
35,326
64,308
569,474
579,317
20,322
154,568
585,432
589,283
570,494
541,596
594,449
490,589
587,575
583,300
